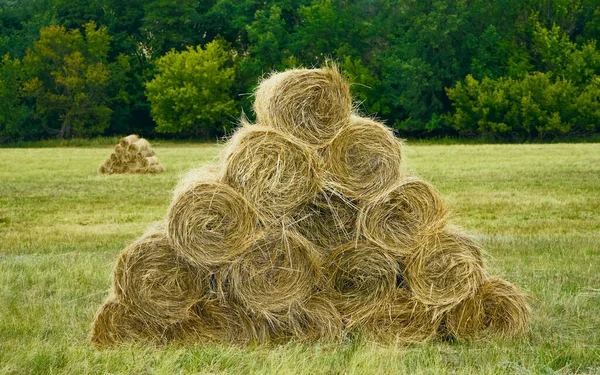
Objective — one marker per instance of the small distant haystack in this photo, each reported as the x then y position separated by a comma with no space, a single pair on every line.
132,155
306,229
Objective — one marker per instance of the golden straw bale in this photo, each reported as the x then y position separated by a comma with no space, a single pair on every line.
361,276
116,323
363,161
445,268
273,171
316,319
215,321
393,220
139,146
153,169
209,223
401,320
126,141
497,309
328,221
150,277
310,104
120,151
150,160
278,270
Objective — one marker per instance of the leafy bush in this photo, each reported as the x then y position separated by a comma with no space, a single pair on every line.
190,93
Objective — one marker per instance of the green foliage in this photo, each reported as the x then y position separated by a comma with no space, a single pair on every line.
535,106
190,92
13,113
400,56
68,77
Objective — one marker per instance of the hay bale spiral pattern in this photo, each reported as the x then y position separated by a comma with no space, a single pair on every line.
275,173
394,220
209,223
363,161
155,281
309,104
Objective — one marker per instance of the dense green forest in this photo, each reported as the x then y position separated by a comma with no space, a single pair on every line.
508,69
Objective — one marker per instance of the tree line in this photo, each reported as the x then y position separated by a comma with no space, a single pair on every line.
509,69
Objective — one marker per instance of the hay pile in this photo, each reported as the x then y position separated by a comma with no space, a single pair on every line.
306,229
132,155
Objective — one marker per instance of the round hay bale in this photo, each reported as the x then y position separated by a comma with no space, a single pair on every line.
393,220
363,161
116,323
150,277
361,277
151,160
328,221
278,270
126,141
120,151
114,158
215,321
209,223
310,104
153,169
139,146
444,268
401,320
271,170
316,319
497,309
147,153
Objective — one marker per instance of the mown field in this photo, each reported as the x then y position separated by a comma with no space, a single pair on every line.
535,208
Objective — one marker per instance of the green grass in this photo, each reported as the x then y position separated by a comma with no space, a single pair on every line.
536,209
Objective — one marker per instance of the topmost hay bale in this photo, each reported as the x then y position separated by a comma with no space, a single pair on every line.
310,104
363,161
126,141
273,171
139,146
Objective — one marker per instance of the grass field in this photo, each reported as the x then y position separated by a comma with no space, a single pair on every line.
535,208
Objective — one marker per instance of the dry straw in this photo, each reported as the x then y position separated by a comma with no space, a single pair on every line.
219,321
209,223
328,221
497,309
155,282
132,155
310,104
361,276
278,270
409,210
445,268
270,169
116,323
126,141
401,320
139,146
363,161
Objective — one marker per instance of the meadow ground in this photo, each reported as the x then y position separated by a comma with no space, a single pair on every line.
535,208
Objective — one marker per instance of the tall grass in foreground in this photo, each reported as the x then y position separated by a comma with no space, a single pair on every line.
535,208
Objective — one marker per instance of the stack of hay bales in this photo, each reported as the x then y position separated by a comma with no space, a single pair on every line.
306,229
132,155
